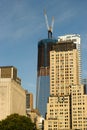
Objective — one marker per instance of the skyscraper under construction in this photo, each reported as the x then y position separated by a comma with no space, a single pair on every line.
43,65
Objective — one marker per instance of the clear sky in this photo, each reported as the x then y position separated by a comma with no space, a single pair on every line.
22,25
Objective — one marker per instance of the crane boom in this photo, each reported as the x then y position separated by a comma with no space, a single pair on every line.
49,28
46,19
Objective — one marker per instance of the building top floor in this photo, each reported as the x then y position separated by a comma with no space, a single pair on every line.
9,72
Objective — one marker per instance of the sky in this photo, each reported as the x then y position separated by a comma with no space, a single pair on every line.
22,25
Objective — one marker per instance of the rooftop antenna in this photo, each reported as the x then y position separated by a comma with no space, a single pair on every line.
49,28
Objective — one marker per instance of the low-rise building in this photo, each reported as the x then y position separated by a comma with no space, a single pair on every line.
36,118
12,95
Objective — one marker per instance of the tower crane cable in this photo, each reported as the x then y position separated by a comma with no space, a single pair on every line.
52,24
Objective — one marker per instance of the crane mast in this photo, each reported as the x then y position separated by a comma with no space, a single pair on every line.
49,28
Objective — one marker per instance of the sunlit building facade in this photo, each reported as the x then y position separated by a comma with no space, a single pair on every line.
67,104
79,107
77,40
12,95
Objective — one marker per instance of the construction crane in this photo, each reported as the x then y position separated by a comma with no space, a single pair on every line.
49,28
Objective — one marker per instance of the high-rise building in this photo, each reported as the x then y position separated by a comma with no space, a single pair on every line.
43,68
43,80
12,95
67,104
64,71
77,40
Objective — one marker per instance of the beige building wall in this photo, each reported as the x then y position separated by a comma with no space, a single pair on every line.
79,107
36,118
58,113
67,112
77,40
67,104
12,96
18,99
63,71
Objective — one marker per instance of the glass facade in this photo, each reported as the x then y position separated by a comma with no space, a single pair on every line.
84,81
43,87
43,67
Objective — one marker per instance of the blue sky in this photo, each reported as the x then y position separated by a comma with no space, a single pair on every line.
22,25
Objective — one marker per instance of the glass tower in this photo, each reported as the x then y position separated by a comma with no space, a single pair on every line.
43,80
